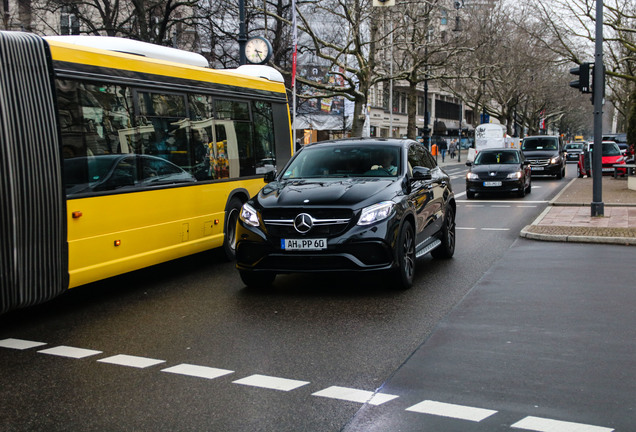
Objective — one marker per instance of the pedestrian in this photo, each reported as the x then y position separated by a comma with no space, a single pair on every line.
443,147
452,148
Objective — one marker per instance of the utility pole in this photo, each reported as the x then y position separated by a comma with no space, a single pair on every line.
597,207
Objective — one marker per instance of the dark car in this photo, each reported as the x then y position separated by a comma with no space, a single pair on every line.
573,150
545,154
348,205
498,170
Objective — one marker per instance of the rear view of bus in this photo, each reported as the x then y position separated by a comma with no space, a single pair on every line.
113,162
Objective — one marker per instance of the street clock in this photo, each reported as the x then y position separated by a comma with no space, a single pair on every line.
258,50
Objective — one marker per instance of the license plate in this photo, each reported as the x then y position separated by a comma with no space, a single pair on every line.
536,168
608,169
303,244
492,183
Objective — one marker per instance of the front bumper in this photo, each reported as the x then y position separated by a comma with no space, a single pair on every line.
507,185
360,248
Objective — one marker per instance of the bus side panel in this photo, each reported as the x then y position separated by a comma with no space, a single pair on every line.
129,231
33,261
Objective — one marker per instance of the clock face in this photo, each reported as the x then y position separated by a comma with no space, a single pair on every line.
258,50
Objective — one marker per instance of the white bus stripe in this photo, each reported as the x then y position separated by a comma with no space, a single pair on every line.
354,395
270,382
67,351
132,361
197,371
451,410
19,344
538,424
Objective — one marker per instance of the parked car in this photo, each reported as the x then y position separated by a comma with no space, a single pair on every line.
498,170
573,150
348,205
611,155
546,155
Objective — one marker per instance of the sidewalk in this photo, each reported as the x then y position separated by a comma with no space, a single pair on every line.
568,217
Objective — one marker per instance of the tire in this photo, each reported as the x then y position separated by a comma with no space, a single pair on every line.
256,280
561,174
231,218
522,191
529,188
470,195
406,256
447,249
579,174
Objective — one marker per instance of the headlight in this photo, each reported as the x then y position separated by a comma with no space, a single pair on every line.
472,176
249,215
555,160
376,212
515,175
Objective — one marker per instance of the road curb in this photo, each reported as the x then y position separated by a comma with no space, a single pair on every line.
527,233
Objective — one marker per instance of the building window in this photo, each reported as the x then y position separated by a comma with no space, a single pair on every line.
69,24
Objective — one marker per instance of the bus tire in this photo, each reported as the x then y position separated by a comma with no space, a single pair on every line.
229,235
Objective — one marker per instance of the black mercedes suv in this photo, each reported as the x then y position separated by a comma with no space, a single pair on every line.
358,204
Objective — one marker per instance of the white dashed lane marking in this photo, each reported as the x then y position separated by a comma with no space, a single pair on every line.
452,410
354,395
132,361
538,424
429,407
197,371
270,382
19,344
67,351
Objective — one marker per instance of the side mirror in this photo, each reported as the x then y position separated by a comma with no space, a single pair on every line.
469,163
422,173
270,176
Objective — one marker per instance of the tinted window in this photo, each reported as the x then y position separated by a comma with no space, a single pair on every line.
327,161
540,144
497,157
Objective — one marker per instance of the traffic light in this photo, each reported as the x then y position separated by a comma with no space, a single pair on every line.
584,82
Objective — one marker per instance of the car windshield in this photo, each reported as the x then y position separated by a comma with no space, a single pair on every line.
575,146
496,157
609,149
344,160
539,144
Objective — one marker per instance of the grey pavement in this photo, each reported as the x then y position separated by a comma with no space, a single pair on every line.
568,217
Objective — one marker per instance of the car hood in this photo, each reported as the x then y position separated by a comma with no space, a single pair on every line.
540,153
498,168
316,192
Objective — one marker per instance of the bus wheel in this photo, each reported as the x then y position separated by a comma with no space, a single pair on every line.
231,218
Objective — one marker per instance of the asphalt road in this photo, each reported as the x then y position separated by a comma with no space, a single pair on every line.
185,347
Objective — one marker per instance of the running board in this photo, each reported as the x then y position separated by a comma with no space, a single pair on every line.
428,248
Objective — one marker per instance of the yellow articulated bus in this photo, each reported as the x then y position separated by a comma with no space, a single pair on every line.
116,155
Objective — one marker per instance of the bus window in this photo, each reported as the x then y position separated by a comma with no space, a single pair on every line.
264,151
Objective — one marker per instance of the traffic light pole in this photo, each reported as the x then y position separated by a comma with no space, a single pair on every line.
597,206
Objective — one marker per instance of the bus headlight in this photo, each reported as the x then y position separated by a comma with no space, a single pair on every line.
249,215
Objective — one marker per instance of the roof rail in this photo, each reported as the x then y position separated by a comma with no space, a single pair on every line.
130,46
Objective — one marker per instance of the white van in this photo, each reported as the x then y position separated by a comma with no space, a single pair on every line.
491,135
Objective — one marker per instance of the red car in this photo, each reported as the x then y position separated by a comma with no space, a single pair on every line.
611,156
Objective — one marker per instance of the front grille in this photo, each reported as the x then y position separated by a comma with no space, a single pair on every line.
326,222
498,176
539,162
